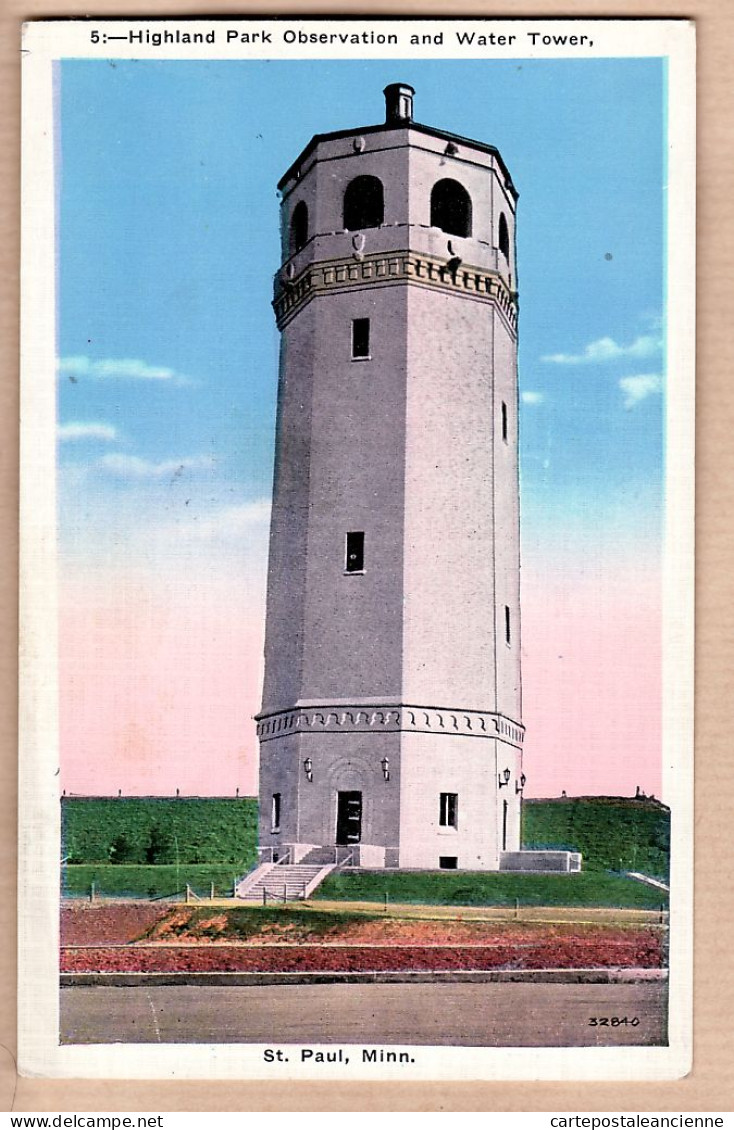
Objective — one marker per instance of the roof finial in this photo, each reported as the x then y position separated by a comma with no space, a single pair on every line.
398,103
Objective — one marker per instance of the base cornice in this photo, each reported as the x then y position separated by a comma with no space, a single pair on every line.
391,717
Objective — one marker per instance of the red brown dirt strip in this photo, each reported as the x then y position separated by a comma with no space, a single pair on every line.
183,927
641,950
124,922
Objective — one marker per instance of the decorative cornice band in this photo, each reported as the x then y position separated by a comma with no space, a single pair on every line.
379,719
381,270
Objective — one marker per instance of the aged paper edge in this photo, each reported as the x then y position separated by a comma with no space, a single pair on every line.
550,11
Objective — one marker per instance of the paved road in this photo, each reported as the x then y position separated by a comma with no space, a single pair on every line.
481,1015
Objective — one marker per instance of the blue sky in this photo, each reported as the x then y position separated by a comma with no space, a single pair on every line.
168,242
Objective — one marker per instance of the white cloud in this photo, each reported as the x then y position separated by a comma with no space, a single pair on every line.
133,467
126,368
607,349
73,477
653,320
529,397
170,538
78,429
639,387
231,522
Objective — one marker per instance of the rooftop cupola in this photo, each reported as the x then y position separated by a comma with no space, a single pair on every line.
398,103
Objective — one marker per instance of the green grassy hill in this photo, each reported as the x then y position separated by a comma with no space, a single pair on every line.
159,830
490,888
613,833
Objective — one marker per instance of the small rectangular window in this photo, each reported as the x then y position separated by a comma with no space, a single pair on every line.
448,862
275,813
360,339
354,557
504,421
508,634
448,810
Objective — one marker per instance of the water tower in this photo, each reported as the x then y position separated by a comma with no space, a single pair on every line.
391,725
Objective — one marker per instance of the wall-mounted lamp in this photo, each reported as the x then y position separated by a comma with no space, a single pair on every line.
385,768
504,777
308,768
521,785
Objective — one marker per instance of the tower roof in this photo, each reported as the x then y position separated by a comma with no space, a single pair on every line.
395,120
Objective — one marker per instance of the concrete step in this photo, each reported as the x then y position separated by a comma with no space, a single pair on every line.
284,881
294,872
275,879
323,856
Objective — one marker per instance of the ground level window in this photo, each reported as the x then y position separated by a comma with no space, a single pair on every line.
448,862
448,810
354,556
275,813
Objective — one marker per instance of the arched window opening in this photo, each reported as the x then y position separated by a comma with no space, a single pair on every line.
451,208
364,205
299,227
504,237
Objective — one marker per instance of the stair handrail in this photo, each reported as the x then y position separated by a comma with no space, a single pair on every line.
278,894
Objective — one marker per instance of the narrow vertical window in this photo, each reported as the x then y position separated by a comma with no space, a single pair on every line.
504,421
504,237
275,813
508,635
299,227
505,807
448,810
360,338
354,557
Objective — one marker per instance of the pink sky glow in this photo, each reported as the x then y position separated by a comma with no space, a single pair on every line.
158,686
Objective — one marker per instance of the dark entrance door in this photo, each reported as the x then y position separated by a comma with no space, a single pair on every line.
349,818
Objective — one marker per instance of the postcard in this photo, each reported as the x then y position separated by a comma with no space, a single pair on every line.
357,480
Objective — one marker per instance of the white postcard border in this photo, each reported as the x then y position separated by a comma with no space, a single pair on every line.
40,1054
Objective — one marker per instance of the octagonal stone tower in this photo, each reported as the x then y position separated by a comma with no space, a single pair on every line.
390,730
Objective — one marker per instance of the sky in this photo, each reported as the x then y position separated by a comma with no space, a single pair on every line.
168,352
